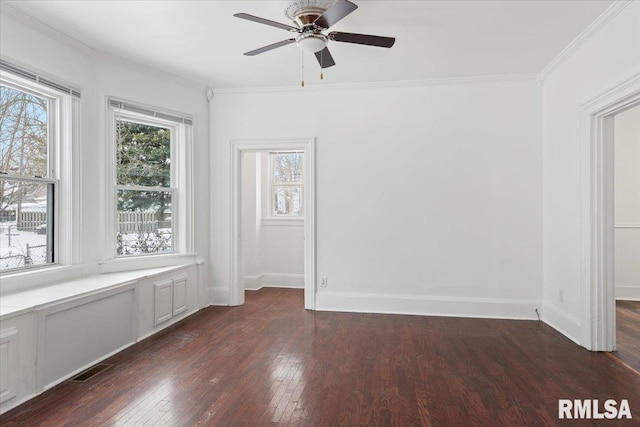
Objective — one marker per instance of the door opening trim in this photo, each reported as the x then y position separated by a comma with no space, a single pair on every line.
598,322
307,145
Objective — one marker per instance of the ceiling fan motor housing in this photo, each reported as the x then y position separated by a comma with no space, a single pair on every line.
305,12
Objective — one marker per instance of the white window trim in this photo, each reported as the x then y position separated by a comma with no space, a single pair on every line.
268,218
64,168
181,183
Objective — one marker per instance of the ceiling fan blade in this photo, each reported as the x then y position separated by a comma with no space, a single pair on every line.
270,47
336,12
266,22
366,39
325,59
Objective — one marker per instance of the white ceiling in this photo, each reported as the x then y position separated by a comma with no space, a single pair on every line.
203,42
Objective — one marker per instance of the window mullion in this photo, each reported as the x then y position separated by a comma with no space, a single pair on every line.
145,188
27,179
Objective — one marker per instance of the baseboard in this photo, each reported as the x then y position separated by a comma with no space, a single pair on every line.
628,293
179,318
85,367
564,323
431,306
9,406
281,280
219,295
274,280
253,283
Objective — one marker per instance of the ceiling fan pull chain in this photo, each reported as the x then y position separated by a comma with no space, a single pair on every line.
321,64
302,76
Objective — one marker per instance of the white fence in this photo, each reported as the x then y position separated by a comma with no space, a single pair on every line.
128,222
29,221
134,222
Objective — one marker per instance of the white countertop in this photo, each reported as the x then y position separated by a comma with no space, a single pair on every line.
16,303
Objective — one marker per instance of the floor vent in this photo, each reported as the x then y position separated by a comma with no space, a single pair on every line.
90,373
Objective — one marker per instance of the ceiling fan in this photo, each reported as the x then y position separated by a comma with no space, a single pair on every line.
311,18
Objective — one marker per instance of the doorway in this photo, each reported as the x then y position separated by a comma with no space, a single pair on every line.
251,148
598,317
627,234
272,227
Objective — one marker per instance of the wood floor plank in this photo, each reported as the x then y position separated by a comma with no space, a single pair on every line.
270,361
628,333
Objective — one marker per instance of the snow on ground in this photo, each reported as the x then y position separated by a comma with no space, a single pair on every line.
19,241
13,249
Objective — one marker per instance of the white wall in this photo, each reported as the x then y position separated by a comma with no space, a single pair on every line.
627,204
98,77
610,56
273,255
251,219
425,193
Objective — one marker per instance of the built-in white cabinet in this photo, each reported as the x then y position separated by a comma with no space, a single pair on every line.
163,299
180,294
170,297
17,360
75,334
55,334
8,363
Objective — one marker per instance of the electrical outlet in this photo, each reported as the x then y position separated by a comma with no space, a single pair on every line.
561,295
323,282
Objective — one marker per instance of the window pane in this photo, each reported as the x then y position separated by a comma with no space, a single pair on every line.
143,154
287,167
23,133
287,200
25,212
144,222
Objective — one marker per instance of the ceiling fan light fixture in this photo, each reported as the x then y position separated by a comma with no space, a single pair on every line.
311,42
310,19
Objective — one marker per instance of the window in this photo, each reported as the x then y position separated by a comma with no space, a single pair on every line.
27,176
286,184
39,165
148,185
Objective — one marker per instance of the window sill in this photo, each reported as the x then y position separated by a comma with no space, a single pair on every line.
285,222
145,261
28,300
37,277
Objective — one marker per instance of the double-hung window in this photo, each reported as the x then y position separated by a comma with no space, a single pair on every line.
286,185
36,193
149,193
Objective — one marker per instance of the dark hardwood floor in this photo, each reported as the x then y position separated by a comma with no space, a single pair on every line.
270,361
628,333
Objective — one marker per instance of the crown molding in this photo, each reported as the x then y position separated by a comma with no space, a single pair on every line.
46,29
600,22
91,52
382,85
142,68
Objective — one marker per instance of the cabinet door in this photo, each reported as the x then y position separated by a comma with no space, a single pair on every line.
163,301
8,363
180,294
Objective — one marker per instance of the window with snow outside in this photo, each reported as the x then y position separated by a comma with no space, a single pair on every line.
27,178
